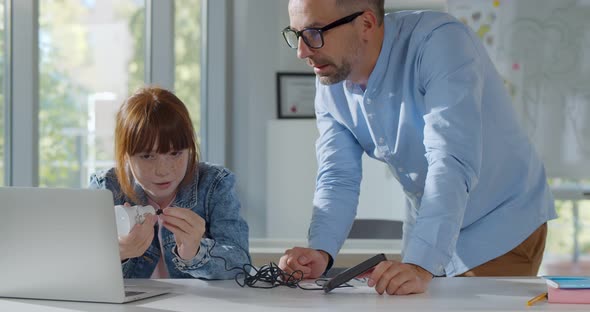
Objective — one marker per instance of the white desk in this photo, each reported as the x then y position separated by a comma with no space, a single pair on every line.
445,294
354,251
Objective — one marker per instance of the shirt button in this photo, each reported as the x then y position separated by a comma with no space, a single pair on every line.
370,116
401,170
419,194
369,101
381,141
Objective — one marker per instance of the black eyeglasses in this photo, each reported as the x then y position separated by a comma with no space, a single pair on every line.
313,37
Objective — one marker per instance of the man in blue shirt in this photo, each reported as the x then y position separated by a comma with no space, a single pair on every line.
418,91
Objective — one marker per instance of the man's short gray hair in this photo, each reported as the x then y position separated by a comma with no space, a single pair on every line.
377,6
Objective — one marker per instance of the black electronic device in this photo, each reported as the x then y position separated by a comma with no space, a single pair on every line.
353,272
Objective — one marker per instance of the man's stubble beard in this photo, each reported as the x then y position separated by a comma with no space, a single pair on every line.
344,70
341,74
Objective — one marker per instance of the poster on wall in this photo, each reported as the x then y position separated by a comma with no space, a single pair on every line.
540,48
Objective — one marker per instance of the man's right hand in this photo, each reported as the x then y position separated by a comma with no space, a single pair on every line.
311,262
139,239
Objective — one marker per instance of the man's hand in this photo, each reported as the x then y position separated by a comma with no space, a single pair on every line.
398,278
309,261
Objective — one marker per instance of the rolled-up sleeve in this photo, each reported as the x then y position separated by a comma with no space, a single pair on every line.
338,182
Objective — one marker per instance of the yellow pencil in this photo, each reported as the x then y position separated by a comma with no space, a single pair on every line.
537,298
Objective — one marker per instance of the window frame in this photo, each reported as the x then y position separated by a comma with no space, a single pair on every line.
21,88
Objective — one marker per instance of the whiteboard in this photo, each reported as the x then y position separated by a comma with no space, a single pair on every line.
542,50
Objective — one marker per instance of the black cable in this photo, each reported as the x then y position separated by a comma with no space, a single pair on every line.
271,275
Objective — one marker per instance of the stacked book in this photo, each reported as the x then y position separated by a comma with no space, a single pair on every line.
568,289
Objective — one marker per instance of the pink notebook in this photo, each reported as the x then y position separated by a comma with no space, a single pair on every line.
561,295
568,289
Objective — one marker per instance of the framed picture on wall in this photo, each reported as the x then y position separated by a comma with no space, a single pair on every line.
295,95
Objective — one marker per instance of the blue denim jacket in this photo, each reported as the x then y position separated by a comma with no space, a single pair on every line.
212,195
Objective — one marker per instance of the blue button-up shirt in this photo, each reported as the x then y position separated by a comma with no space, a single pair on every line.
437,112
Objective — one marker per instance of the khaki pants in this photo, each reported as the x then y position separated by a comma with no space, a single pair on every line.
523,260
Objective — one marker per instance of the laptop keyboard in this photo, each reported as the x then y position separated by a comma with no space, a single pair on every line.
133,293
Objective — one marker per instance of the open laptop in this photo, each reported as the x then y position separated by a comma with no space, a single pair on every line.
61,244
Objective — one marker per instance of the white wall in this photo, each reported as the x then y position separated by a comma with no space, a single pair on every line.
291,171
257,53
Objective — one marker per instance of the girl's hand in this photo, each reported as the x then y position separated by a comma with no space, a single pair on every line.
139,239
188,229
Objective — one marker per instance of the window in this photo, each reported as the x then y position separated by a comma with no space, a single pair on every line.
90,58
187,54
567,250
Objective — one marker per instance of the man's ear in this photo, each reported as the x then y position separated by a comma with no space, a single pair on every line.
369,23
